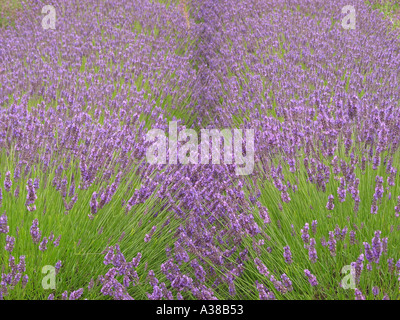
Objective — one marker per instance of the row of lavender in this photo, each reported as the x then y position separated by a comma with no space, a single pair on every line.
77,101
324,103
75,105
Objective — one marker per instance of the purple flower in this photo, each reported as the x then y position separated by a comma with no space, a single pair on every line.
21,266
264,293
148,236
311,278
43,244
36,183
287,254
398,265
390,262
56,242
384,242
285,195
4,228
91,284
152,278
72,186
378,188
35,232
64,295
263,211
24,281
312,252
199,271
277,284
16,192
31,195
261,267
342,190
293,232
305,236
352,237
368,253
358,295
376,246
397,207
75,295
157,293
126,281
330,204
287,282
8,182
332,244
374,206
58,266
10,241
93,204
314,226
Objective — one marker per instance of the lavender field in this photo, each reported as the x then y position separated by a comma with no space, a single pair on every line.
84,213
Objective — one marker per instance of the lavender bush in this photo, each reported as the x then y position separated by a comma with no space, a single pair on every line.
77,193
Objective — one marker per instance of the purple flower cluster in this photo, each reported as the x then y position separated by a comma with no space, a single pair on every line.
13,277
111,286
10,241
4,228
357,268
75,295
311,278
330,205
264,293
332,244
102,84
287,254
7,182
35,232
312,252
148,236
58,266
305,235
358,295
31,196
378,247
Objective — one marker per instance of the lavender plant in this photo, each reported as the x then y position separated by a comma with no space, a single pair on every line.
77,193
